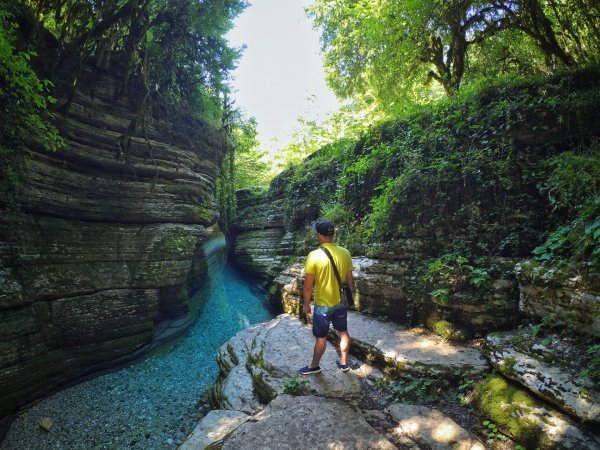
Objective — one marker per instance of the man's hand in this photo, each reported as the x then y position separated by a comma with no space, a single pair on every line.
307,309
309,280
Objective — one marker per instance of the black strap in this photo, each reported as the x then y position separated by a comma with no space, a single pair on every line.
337,274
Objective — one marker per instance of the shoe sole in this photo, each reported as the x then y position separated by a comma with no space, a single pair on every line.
310,373
343,369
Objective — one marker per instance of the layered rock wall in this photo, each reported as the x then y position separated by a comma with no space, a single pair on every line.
106,244
386,279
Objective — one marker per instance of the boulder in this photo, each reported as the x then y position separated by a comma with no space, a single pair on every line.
559,383
431,428
307,422
257,362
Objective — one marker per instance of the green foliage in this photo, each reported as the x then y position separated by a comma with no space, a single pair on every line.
578,241
440,296
419,388
544,325
572,177
490,430
387,52
23,116
251,166
294,386
174,51
452,270
592,371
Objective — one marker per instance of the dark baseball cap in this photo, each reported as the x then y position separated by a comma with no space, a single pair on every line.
325,228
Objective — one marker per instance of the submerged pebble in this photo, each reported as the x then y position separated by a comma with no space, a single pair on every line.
152,404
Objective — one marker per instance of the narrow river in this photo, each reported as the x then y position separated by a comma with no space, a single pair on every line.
151,404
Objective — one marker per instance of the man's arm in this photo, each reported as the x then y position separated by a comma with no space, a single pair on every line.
308,286
349,279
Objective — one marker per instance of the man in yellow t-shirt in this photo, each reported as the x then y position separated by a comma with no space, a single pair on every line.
328,309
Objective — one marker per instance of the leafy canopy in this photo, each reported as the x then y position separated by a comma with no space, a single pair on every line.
387,51
176,48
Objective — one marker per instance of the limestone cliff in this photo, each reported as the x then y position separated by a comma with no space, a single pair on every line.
106,245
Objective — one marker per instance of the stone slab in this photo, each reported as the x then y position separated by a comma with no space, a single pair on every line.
414,350
307,422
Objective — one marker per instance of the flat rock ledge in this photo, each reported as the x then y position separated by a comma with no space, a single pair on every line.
411,349
554,383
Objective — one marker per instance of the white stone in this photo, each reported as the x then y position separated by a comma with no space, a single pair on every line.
412,349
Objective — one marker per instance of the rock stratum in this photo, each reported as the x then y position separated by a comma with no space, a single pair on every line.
106,244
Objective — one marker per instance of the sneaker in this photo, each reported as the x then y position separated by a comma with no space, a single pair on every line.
343,367
309,370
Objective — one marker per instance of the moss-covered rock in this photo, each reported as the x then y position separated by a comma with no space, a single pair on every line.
549,367
527,420
448,330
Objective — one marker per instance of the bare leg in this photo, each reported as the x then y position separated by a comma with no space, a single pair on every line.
344,346
320,346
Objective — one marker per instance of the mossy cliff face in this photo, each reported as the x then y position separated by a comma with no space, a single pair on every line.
106,245
436,209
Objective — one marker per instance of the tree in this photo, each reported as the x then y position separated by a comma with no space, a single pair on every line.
176,48
385,49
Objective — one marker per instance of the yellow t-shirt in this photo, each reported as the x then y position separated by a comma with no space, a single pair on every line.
327,291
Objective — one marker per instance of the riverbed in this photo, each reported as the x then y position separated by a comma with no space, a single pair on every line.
152,404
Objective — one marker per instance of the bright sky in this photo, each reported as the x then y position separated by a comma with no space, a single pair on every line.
280,75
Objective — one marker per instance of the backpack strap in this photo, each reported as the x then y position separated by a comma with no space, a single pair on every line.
337,274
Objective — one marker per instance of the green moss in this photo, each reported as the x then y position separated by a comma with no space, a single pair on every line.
175,241
449,330
507,366
202,213
505,404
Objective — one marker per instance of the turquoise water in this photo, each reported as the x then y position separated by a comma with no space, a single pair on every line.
151,404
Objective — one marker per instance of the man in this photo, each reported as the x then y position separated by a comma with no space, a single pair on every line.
328,309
